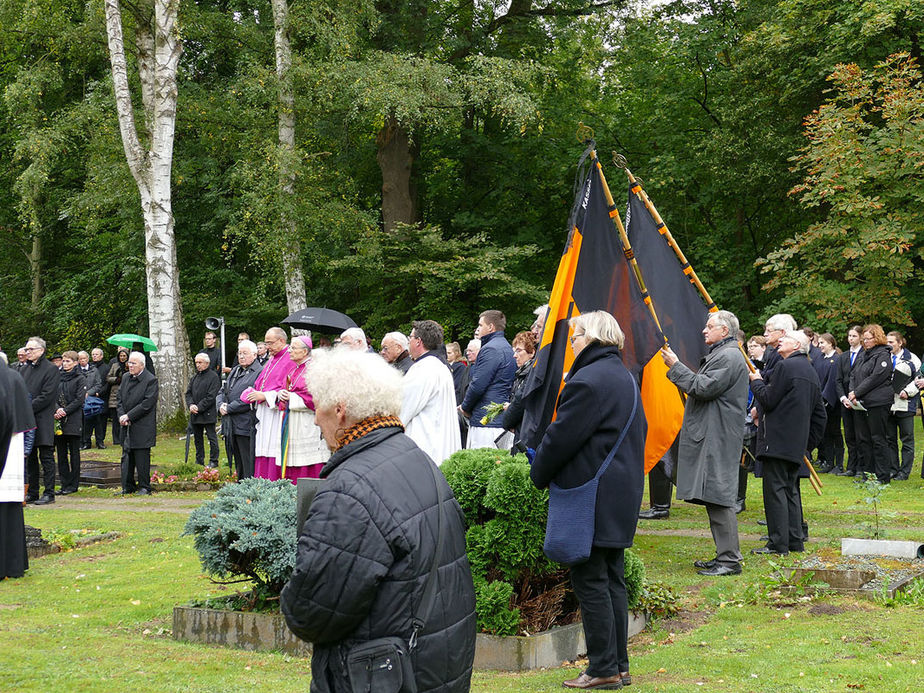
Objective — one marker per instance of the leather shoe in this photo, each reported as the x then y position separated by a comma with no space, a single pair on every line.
143,492
45,500
766,550
718,570
762,523
704,564
739,506
626,679
64,492
85,446
100,446
654,514
599,683
31,499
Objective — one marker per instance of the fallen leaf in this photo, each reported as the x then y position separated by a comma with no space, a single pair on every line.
136,602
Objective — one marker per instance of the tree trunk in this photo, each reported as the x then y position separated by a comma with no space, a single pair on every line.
35,268
396,154
159,54
291,249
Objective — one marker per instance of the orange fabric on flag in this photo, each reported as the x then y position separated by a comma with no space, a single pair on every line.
663,409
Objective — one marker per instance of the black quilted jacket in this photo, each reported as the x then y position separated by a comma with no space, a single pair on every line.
363,559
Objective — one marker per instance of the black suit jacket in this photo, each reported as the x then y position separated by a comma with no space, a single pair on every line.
138,398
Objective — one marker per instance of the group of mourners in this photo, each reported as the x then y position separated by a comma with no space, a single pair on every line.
382,581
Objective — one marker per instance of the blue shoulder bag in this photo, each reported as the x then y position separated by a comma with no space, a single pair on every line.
569,529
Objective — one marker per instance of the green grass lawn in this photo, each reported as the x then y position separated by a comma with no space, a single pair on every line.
98,618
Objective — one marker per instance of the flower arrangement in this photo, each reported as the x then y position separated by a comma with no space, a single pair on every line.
159,478
492,411
208,475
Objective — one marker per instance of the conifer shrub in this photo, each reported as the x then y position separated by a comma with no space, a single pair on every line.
248,531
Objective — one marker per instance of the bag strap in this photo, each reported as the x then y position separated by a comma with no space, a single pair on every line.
422,612
622,435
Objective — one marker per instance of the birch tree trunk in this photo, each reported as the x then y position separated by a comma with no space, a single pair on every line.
159,49
290,250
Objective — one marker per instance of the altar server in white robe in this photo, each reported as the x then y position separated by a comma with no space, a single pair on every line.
429,406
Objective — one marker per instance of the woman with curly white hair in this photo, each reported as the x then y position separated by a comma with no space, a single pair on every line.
372,532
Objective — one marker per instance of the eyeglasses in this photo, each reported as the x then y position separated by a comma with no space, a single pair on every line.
573,337
30,348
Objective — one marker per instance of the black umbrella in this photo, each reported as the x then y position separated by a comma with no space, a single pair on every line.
320,319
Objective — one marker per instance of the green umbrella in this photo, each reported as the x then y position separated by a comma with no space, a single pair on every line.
131,341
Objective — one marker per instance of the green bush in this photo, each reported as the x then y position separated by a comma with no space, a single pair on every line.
506,515
248,529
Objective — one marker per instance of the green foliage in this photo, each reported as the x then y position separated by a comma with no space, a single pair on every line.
248,529
862,167
658,599
506,515
635,578
912,595
492,605
872,492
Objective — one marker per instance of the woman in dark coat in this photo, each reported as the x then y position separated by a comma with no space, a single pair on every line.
72,390
593,409
117,369
369,541
524,351
871,386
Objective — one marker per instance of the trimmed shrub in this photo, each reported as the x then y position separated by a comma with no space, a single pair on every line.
248,529
492,604
635,578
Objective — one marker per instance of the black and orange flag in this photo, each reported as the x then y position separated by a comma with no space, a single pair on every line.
593,274
681,315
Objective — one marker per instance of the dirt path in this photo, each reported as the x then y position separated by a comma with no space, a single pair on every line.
160,502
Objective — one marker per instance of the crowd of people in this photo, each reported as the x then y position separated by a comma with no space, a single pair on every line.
371,423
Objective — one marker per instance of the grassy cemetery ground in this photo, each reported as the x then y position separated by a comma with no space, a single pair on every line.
98,617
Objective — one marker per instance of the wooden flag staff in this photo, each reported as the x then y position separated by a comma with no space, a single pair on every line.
636,187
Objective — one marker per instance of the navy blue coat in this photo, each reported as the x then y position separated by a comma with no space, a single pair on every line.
794,414
593,408
491,378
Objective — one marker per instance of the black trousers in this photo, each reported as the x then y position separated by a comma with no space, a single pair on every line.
849,417
116,426
68,449
95,426
136,459
46,455
831,449
242,450
901,424
782,505
200,446
600,586
870,431
660,487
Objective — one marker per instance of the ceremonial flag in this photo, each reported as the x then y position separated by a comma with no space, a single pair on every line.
593,274
681,314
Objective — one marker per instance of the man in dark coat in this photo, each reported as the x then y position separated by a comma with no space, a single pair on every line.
203,414
712,434
238,418
137,411
491,381
42,380
370,538
794,421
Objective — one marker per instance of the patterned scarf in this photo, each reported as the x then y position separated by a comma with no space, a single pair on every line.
361,428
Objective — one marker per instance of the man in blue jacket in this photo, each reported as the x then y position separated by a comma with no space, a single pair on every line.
491,380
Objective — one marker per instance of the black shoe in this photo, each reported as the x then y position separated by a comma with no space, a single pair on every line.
31,499
626,679
849,472
654,514
45,500
762,523
704,564
213,465
765,537
900,477
143,492
100,446
718,570
766,550
739,506
64,492
85,446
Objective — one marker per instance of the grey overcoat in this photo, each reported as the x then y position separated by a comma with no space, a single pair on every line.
713,425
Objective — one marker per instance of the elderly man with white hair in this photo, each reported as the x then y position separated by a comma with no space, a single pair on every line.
380,520
395,351
137,410
238,419
354,338
711,437
794,421
201,394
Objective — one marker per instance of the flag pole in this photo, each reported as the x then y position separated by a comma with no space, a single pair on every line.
627,248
